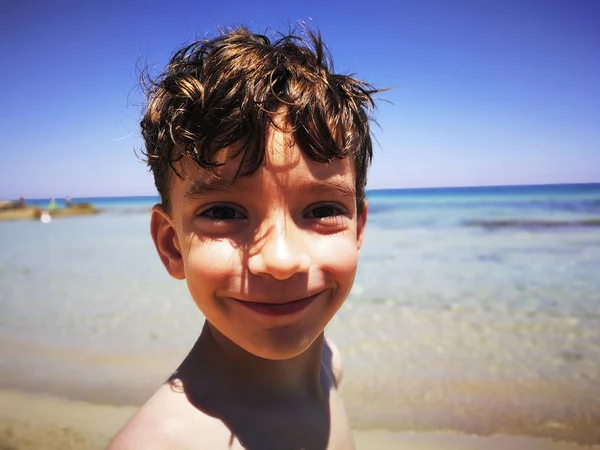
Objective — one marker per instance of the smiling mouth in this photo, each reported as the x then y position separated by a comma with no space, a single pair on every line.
280,309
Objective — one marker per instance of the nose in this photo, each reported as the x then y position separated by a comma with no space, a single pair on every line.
279,251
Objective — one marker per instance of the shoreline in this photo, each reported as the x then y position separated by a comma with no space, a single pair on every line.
30,421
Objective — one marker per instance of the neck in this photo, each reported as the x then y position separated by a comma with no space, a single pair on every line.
246,375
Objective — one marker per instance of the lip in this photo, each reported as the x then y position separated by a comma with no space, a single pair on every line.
280,309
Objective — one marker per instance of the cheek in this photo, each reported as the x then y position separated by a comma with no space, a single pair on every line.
337,256
209,263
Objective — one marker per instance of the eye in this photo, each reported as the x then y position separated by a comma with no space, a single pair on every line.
222,213
325,211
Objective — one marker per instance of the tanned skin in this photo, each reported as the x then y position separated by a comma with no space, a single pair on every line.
258,377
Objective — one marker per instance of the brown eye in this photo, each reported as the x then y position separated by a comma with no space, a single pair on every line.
325,211
222,212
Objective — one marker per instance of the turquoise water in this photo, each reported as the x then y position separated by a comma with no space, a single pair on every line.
473,308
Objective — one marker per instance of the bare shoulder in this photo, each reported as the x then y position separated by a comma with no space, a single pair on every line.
340,433
154,425
168,420
333,358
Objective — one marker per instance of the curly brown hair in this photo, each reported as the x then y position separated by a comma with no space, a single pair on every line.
228,90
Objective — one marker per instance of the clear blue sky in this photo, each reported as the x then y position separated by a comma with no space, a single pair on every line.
483,92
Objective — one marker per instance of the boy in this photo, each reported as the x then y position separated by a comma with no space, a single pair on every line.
259,152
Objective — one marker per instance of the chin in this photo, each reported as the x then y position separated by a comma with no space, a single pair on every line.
280,344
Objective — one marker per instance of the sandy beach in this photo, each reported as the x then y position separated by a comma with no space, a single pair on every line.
30,422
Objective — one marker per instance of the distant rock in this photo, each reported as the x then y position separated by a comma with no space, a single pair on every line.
18,210
527,224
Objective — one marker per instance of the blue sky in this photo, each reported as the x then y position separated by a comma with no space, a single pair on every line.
482,92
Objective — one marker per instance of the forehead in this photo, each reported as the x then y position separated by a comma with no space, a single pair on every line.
284,162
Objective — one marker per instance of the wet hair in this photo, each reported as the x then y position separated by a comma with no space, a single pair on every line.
228,90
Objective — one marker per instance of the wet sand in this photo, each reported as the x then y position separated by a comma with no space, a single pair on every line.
94,393
30,421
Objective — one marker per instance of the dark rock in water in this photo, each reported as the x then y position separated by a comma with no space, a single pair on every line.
532,224
490,257
377,208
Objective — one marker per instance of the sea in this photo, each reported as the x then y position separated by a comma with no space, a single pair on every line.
474,309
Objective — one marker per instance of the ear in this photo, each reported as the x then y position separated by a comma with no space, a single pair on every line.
362,221
166,242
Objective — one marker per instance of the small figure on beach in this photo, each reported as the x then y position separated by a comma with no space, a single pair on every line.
52,204
68,202
45,217
260,154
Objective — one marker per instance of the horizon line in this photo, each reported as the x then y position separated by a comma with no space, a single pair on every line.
366,191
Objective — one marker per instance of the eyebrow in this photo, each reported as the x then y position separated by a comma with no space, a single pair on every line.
203,188
333,187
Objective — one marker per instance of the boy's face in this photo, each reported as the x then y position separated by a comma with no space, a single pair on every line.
270,258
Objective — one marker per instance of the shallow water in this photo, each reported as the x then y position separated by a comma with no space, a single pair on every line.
449,325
